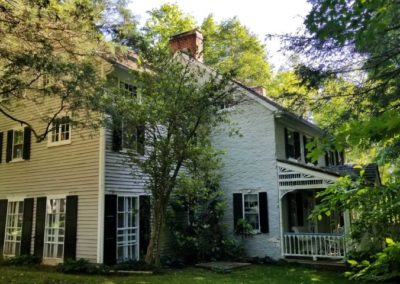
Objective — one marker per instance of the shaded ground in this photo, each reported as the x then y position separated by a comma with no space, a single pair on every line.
288,274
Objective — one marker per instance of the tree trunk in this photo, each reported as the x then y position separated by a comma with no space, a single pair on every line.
158,219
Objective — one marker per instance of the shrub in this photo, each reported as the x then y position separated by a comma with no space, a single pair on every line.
22,260
133,265
80,266
385,265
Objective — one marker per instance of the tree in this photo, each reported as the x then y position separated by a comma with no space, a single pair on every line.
53,50
180,104
227,45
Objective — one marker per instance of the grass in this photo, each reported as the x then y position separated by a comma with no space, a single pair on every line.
266,274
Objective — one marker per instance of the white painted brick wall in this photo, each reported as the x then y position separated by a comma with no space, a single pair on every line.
249,165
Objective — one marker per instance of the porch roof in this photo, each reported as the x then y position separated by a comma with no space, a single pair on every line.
293,176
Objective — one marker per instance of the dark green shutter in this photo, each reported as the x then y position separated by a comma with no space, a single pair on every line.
3,216
71,224
341,156
10,135
297,151
26,234
327,160
144,223
263,205
117,139
237,208
1,146
26,154
110,229
40,225
141,134
286,144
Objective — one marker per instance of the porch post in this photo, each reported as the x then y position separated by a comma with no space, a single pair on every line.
346,219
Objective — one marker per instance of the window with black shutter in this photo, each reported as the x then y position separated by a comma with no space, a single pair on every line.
1,146
18,144
110,231
26,234
292,144
71,226
3,216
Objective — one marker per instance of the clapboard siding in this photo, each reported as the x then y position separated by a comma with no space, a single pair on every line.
120,177
71,169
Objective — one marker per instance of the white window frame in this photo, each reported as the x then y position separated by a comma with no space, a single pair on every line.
258,210
13,238
50,142
18,159
56,233
125,243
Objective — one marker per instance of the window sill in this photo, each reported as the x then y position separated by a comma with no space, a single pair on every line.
55,144
17,160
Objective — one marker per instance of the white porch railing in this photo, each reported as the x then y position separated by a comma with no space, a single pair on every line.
314,245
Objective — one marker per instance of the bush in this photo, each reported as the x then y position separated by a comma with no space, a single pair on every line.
81,266
133,265
22,260
384,266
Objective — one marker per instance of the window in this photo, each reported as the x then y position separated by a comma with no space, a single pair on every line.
251,210
18,144
128,89
292,141
133,137
127,229
12,240
54,228
61,131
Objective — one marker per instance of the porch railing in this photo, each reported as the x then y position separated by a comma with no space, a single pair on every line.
314,245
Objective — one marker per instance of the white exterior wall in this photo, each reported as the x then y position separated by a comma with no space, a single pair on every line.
249,166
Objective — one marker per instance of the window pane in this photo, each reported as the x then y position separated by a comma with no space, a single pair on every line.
251,210
55,228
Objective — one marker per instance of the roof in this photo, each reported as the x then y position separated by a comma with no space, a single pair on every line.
371,172
310,167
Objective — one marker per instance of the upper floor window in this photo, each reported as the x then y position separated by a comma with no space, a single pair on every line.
133,138
18,144
292,144
60,131
128,89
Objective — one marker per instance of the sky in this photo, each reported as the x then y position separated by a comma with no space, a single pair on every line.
260,16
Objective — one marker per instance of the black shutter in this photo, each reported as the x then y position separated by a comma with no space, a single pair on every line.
326,160
71,223
297,151
305,142
299,209
286,144
263,205
1,146
10,134
337,162
140,134
26,234
117,139
144,223
110,229
341,156
3,216
40,224
237,208
26,153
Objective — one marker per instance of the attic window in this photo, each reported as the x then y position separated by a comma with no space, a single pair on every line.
128,89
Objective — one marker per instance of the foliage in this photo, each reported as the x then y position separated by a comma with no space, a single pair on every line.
197,209
180,104
80,266
385,265
228,45
53,50
139,265
244,228
22,260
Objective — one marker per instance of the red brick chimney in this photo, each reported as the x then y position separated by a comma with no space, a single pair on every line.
259,90
190,42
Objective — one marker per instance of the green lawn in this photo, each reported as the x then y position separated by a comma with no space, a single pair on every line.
253,274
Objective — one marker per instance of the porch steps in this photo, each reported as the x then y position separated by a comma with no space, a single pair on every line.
320,264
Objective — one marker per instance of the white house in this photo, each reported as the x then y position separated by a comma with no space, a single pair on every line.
73,196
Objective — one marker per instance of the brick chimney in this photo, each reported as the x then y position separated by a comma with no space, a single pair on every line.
259,90
190,42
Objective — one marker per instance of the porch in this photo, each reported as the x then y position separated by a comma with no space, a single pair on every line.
302,237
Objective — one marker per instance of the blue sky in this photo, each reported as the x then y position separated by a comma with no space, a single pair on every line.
261,17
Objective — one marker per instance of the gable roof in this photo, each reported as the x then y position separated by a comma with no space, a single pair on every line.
371,172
